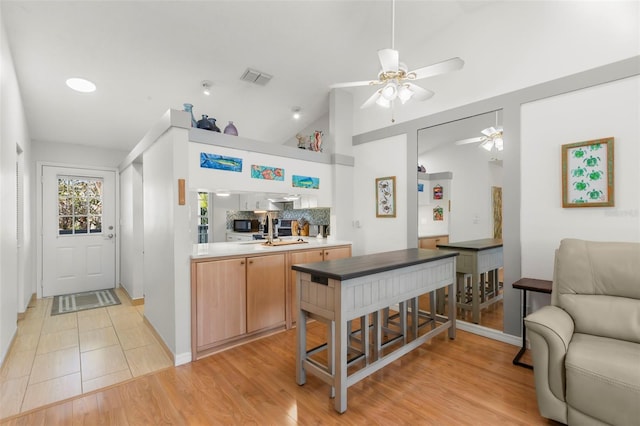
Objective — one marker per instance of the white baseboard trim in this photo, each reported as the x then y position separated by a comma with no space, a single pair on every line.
489,332
183,358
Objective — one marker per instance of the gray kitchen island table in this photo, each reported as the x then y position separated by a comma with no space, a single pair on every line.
339,291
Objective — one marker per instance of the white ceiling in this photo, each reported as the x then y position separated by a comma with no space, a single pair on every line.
148,56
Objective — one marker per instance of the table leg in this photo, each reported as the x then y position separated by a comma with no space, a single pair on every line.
402,306
301,349
364,338
331,356
475,295
377,335
516,360
340,366
432,305
415,317
452,309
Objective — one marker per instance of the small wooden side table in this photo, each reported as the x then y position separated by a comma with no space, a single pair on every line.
528,284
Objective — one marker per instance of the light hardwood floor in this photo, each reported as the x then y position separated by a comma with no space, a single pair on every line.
466,381
54,358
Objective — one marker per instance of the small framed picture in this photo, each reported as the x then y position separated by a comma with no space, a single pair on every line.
386,196
437,192
587,174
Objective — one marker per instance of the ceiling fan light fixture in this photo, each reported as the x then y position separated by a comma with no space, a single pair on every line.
383,102
488,144
390,91
404,93
499,143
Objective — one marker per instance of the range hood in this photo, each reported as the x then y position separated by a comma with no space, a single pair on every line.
284,199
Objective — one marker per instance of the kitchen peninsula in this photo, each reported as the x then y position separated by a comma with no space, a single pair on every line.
244,290
338,292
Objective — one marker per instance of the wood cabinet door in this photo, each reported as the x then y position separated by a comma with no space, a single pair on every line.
337,253
220,300
304,256
266,295
431,243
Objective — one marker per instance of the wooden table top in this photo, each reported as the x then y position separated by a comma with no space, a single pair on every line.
475,245
360,266
532,284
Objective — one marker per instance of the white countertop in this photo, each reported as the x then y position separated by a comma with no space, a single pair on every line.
239,248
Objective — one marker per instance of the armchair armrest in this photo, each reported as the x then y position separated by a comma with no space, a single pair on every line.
554,323
550,331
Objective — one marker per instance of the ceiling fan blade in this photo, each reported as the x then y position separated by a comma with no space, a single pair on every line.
419,93
355,84
372,100
489,131
389,59
470,140
449,65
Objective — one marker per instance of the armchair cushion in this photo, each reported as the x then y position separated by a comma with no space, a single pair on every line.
603,378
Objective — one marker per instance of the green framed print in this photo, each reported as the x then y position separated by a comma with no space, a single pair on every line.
587,174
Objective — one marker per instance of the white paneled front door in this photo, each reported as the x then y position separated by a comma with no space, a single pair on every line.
78,230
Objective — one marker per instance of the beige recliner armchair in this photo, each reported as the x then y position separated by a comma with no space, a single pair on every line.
586,344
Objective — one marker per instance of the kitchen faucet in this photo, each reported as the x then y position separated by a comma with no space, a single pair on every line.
270,228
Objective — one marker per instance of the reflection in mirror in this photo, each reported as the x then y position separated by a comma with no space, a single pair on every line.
213,214
461,199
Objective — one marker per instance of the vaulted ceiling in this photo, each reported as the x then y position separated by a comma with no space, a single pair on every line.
147,56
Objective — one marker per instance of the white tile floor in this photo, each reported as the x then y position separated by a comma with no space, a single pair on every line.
55,358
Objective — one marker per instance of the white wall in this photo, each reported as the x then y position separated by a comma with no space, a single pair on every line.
321,124
611,109
211,180
471,215
546,40
65,153
382,158
167,243
131,231
16,263
218,226
427,226
158,194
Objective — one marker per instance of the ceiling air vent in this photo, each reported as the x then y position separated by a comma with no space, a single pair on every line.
257,77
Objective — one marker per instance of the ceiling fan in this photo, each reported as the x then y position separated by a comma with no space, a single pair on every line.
395,78
491,138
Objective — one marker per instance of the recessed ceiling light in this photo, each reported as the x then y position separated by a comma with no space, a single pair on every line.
81,85
296,112
206,87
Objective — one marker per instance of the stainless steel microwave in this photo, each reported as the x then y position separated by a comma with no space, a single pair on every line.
245,225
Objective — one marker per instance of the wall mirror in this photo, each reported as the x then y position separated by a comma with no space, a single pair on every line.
460,197
209,209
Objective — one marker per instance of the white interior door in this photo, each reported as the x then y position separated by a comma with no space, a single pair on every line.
78,230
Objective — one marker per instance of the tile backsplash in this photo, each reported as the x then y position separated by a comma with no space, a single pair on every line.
315,216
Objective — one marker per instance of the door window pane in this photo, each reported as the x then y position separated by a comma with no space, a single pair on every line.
79,205
203,217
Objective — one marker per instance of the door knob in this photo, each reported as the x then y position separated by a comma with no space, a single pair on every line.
110,235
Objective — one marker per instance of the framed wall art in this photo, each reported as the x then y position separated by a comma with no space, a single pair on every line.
267,172
305,182
386,196
587,174
220,162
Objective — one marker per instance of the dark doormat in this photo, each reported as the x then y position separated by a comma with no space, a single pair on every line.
82,301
